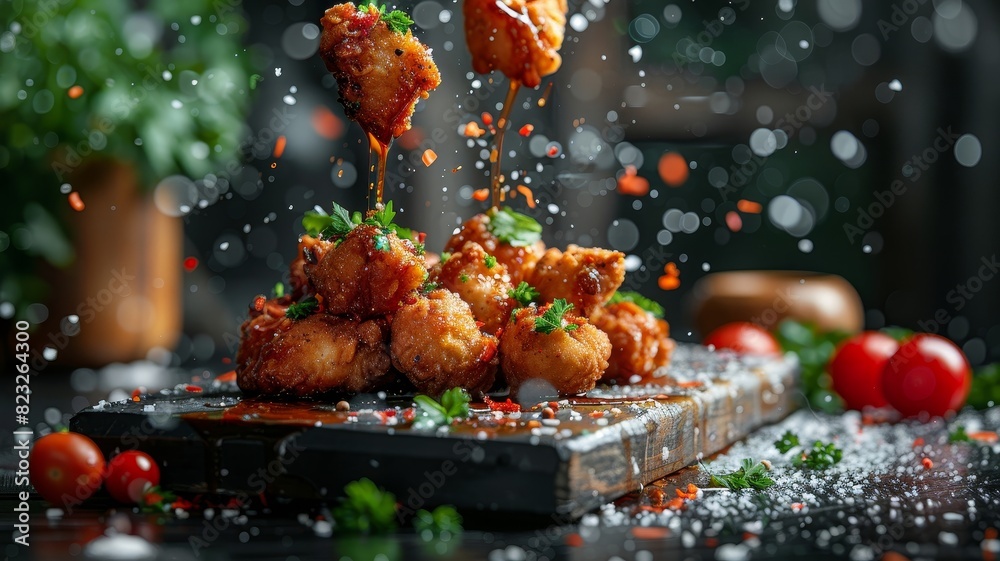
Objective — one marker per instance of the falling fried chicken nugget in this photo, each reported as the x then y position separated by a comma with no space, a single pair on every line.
382,70
521,38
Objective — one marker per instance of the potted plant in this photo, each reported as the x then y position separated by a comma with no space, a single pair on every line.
115,121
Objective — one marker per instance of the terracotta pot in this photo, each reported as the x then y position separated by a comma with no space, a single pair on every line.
124,283
767,297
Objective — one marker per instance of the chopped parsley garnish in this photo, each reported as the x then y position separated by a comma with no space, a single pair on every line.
821,456
513,227
432,413
428,286
463,278
302,309
254,79
366,508
524,293
279,290
552,319
750,475
396,20
787,441
442,519
320,224
445,256
381,242
958,435
490,261
650,306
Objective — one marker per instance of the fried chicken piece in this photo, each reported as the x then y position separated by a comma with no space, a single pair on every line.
485,289
368,274
316,355
586,277
311,250
519,260
265,322
572,361
381,73
640,342
521,38
436,343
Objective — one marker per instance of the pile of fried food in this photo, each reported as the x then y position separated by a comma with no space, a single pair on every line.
369,309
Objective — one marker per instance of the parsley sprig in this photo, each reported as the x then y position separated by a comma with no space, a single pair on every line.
490,261
442,519
524,293
650,306
432,413
320,224
958,435
511,227
366,508
279,290
821,456
750,475
786,442
396,20
552,319
303,309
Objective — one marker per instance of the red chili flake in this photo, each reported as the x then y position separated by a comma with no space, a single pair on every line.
554,405
192,388
137,393
918,442
409,414
227,377
487,119
526,130
182,504
279,146
75,92
259,302
676,504
597,414
650,532
481,194
574,540
503,406
553,151
489,352
390,412
76,202
711,542
190,264
226,360
927,463
796,507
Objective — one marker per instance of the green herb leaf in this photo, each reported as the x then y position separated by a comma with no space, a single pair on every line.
366,508
381,242
787,441
397,20
985,392
428,286
320,224
513,227
445,256
900,334
750,475
302,309
490,261
814,349
524,293
431,413
279,290
254,80
650,306
958,435
443,519
383,217
463,278
552,319
821,456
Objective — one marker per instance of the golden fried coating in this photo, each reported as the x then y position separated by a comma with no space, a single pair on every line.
585,276
368,273
521,38
311,250
572,361
486,290
640,343
436,343
381,73
519,260
265,322
318,354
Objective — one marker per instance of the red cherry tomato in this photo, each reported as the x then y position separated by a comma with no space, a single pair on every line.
744,337
928,374
130,474
856,369
66,468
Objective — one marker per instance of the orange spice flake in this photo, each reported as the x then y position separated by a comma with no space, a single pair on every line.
526,130
75,92
927,463
749,207
524,190
473,130
75,202
279,146
428,157
481,194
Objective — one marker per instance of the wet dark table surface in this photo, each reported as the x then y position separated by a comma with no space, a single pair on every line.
900,489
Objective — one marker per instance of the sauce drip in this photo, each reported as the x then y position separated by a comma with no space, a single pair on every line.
381,151
497,154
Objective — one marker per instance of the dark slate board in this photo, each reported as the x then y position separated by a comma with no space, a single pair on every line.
217,442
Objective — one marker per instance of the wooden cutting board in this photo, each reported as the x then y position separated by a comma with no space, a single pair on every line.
598,447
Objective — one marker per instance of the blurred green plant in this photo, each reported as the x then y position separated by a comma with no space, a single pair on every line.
985,392
163,88
814,349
